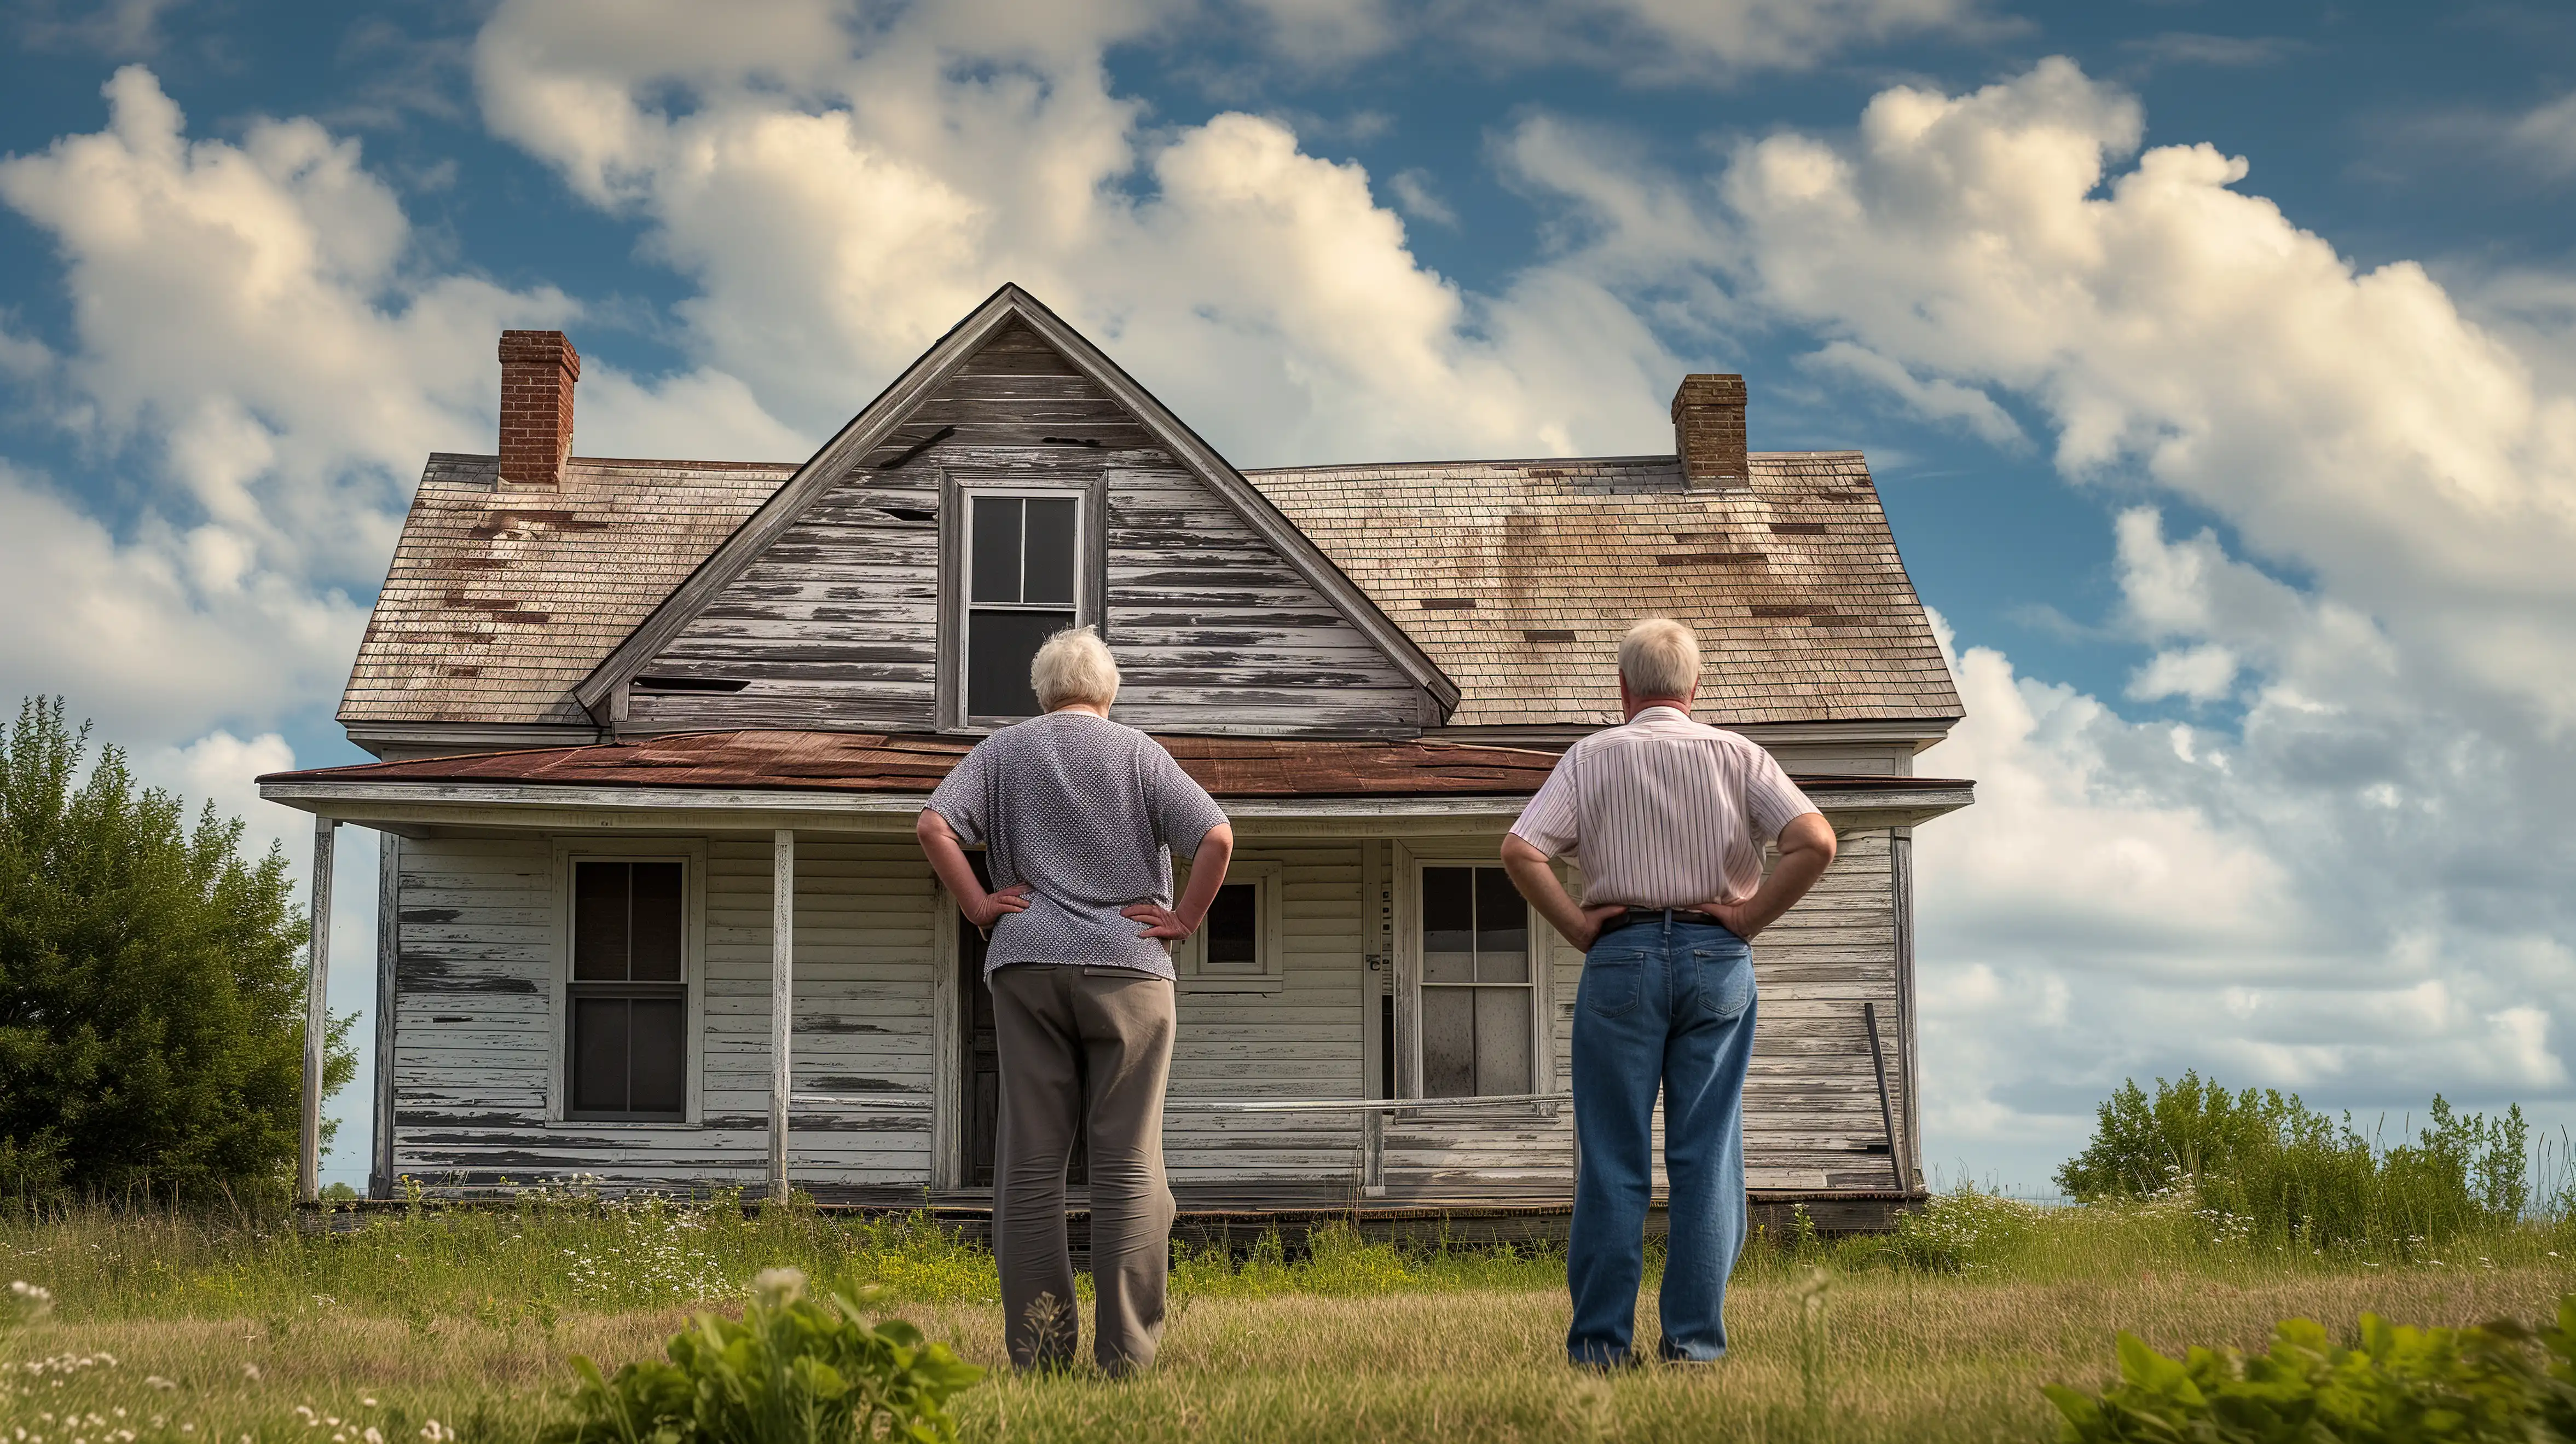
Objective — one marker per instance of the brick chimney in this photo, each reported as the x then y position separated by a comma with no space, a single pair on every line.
1708,431
538,369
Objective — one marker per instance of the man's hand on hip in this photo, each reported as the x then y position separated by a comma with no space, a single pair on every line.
1806,847
1593,917
1739,917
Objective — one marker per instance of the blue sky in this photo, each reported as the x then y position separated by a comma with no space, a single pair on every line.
2216,363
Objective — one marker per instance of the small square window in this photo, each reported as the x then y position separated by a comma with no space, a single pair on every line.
1231,936
1238,944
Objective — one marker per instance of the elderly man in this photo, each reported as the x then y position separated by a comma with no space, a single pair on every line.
1079,817
1668,819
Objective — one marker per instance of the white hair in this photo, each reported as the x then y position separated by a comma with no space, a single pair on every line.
1659,658
1074,666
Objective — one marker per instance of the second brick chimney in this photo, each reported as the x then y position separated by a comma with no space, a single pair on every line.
1708,431
538,369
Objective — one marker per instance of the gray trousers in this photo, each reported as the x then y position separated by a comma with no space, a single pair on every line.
1059,1028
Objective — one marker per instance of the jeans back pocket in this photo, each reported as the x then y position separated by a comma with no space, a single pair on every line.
1613,979
1725,977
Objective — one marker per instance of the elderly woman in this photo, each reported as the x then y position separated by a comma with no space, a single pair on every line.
1079,817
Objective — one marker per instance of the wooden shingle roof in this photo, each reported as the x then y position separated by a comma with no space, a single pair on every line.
499,603
1518,578
1515,577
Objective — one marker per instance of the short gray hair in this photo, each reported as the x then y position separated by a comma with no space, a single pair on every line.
1074,666
1659,658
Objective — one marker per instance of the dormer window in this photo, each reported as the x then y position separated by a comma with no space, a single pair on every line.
1022,572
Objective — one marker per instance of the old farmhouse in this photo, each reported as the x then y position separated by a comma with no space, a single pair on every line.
654,734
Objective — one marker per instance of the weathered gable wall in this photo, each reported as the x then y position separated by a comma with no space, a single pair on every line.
837,625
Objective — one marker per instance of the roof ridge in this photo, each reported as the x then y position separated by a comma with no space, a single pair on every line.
1646,457
629,461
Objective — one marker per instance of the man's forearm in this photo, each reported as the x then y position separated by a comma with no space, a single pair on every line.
1806,850
1538,884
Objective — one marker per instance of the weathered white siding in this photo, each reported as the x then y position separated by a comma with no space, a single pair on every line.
1305,1040
480,934
479,927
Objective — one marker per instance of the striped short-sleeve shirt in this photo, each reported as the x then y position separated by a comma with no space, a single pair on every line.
1664,812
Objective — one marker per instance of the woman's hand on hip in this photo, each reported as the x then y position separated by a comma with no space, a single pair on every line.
1161,922
989,911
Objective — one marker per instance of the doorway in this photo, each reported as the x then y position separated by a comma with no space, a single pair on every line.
982,1055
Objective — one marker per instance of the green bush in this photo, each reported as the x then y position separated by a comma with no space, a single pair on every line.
2485,1383
151,986
795,1370
2264,1165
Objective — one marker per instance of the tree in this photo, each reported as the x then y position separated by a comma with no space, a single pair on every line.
151,984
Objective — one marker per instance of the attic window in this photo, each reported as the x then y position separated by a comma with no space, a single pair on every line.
1024,571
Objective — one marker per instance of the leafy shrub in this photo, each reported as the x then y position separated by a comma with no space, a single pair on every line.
1960,1230
151,985
2397,1384
2262,1164
795,1370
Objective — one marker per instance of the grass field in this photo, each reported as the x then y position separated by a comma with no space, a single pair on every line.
181,1331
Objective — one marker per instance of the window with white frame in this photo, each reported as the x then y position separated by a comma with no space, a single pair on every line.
1023,557
1478,1000
1239,943
627,991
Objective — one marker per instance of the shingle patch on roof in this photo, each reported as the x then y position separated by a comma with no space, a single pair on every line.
1803,607
498,604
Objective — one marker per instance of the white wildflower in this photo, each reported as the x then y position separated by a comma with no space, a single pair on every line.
777,1287
250,1371
157,1382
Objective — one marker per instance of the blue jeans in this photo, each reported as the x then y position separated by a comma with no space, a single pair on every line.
1669,1003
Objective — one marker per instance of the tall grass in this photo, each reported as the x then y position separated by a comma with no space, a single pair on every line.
1941,1335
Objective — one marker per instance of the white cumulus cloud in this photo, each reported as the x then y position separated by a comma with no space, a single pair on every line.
258,349
2343,878
841,194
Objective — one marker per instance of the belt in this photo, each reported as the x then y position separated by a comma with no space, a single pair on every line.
1639,915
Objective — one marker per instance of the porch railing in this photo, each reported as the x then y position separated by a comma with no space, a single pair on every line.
1374,1113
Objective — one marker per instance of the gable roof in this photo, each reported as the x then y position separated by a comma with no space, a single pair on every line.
1501,585
876,426
498,604
1519,577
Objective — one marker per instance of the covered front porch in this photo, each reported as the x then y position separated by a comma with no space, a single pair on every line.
1382,1029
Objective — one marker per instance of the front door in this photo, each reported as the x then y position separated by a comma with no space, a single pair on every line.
983,1057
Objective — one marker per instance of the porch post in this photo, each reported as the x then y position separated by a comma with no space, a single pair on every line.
782,998
317,1016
